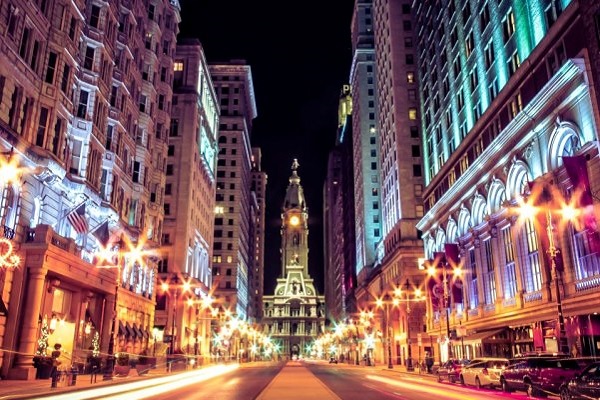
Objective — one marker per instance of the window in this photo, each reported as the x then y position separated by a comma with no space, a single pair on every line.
513,63
489,55
51,68
510,276
416,151
532,273
508,25
64,84
412,113
88,61
489,282
174,128
95,16
473,289
417,170
83,104
42,127
410,77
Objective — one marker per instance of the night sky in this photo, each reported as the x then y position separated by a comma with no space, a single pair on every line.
300,55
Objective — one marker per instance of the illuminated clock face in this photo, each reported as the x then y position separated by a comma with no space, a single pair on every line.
294,220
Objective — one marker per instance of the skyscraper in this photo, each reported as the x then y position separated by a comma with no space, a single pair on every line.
232,255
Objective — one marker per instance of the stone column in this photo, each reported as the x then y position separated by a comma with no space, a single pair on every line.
109,310
23,367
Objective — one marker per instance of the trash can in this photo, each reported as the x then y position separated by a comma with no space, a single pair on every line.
74,372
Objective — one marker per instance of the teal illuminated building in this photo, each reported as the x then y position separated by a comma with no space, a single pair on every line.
509,105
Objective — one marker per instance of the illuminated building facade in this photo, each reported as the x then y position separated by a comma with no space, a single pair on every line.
508,92
232,254
257,277
294,315
189,202
90,124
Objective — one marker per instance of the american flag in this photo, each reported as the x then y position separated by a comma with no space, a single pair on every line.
77,219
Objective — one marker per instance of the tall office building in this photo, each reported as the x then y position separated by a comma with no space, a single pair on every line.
189,202
388,170
365,140
232,255
85,95
259,191
295,313
509,105
339,221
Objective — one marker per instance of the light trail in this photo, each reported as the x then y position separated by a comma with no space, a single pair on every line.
148,387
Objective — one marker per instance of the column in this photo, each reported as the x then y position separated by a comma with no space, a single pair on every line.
30,324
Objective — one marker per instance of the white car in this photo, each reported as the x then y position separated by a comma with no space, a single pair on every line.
483,372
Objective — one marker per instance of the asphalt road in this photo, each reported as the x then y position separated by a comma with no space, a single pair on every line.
347,382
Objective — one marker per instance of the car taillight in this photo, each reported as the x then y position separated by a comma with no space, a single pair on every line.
484,371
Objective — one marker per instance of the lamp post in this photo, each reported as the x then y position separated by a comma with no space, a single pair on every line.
446,299
563,346
550,199
388,334
110,258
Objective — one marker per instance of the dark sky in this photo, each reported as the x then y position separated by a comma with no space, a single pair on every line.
300,56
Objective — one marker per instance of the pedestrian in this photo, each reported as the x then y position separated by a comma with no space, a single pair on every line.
428,362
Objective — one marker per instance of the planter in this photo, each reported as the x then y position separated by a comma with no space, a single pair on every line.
122,370
43,371
142,369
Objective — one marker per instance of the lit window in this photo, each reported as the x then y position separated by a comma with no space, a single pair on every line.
412,113
178,66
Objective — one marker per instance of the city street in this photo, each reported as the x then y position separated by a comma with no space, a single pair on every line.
292,380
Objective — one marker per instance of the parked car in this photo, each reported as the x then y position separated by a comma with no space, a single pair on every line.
450,370
333,360
538,376
585,385
483,372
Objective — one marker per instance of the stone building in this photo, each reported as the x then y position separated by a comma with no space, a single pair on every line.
294,315
85,95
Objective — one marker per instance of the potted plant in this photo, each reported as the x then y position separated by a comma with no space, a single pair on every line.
42,362
122,366
145,363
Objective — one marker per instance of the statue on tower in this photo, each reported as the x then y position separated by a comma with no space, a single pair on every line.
295,164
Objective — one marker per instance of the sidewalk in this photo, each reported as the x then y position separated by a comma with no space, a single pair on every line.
19,389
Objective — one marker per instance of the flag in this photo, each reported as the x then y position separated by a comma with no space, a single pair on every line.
102,233
77,219
453,257
576,168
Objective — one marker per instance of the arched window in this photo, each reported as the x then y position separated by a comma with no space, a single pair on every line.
479,209
496,195
464,221
564,141
10,206
517,179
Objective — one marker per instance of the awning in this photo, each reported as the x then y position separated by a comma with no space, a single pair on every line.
121,329
130,332
137,331
478,337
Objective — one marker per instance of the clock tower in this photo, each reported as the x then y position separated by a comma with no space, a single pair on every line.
294,316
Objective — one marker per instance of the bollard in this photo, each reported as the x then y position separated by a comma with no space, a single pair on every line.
74,372
55,376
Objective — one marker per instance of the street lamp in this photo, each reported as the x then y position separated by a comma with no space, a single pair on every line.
177,290
417,297
547,199
444,296
388,328
111,257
